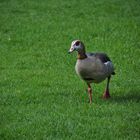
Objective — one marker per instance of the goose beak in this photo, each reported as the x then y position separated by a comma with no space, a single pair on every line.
71,50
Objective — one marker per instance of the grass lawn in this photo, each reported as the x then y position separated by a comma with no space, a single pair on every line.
41,97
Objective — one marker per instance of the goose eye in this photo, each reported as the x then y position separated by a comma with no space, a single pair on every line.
77,43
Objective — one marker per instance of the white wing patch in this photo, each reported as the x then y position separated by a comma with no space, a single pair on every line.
109,66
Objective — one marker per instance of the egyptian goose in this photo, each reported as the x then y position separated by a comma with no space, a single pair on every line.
92,67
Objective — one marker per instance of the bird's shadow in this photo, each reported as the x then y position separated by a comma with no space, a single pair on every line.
130,96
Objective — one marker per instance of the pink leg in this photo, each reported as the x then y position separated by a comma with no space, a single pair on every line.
106,93
90,93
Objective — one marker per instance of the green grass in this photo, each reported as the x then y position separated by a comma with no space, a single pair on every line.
41,97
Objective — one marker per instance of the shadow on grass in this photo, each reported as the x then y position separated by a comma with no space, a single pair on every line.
130,96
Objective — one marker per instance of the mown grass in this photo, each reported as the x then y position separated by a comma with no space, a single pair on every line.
41,97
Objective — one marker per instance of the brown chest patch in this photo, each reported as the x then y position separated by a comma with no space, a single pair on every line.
81,56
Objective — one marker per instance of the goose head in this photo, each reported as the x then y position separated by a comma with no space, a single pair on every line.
78,46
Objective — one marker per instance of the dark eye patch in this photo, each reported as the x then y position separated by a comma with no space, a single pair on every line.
77,43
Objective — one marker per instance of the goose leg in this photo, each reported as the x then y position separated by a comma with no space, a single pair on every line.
106,93
90,93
